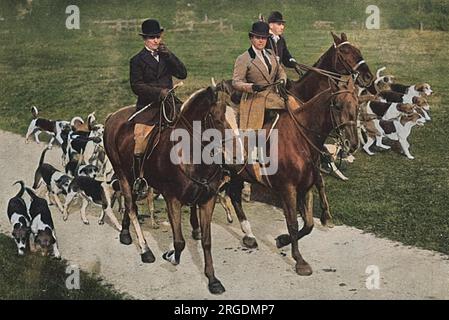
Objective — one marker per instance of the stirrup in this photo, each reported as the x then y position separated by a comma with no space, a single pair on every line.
140,187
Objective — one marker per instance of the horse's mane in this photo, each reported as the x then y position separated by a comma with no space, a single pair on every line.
185,106
312,101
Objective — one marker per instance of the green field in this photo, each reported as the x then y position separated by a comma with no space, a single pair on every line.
74,72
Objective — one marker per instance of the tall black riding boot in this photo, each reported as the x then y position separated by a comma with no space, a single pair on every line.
140,186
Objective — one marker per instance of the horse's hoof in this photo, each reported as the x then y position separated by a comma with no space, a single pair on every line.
250,242
328,223
148,257
125,237
86,222
216,287
65,218
196,234
304,269
100,222
282,241
170,257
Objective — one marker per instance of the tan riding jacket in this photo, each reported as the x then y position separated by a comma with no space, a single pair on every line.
249,69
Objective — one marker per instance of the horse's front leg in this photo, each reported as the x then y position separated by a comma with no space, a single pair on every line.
205,212
326,217
174,215
150,202
290,206
131,214
305,205
235,193
196,231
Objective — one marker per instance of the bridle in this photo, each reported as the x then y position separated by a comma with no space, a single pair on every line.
351,70
333,115
204,182
338,126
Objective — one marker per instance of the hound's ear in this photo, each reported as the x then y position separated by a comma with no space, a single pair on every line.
344,37
337,40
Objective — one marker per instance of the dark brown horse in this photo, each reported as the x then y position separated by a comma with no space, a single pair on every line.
180,184
342,58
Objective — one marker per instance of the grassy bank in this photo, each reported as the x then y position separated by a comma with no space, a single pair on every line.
36,277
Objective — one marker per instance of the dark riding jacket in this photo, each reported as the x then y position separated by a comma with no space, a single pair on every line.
280,50
148,76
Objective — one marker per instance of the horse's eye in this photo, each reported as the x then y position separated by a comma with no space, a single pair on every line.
338,105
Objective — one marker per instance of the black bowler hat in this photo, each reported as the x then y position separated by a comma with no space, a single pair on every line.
150,28
276,16
260,29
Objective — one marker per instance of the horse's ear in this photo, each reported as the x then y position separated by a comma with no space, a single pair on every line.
337,40
351,84
344,37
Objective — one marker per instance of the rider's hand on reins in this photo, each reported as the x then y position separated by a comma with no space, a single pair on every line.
164,93
258,88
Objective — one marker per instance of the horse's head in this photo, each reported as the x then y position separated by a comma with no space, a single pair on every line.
344,112
204,106
348,60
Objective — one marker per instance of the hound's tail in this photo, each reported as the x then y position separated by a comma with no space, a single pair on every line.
72,123
41,160
34,112
22,188
32,194
379,71
91,120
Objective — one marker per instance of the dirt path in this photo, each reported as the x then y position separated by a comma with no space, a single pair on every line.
339,257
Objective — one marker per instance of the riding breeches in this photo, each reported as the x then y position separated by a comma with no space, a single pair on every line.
141,135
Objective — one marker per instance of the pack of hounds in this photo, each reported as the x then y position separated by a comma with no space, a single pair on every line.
86,174
390,113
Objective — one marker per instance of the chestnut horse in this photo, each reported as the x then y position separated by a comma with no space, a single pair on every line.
302,132
342,58
180,184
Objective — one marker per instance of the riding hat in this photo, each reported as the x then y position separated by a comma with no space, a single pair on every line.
260,29
276,16
150,28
